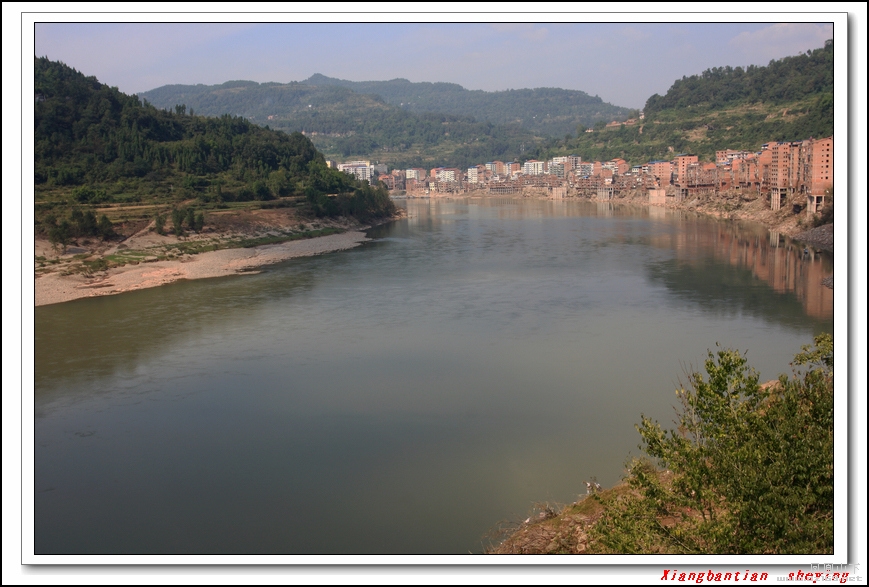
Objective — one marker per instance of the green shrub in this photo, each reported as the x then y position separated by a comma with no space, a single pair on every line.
751,466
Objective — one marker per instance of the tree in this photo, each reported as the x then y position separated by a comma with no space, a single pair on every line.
59,235
177,220
749,467
160,224
190,218
105,228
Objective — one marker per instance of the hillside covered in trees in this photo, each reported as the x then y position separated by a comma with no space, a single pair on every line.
723,108
345,124
544,111
95,146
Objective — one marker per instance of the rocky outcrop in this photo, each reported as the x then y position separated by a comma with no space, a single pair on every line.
820,237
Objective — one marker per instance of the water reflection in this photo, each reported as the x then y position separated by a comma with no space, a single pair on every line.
94,338
779,262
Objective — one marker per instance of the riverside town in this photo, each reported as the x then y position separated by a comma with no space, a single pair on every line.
797,171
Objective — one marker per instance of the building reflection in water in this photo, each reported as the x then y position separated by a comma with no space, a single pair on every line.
784,264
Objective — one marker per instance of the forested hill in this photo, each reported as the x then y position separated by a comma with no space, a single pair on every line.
550,112
346,124
117,149
790,99
783,81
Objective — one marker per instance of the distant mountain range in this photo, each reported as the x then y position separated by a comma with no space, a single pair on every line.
544,111
405,124
397,121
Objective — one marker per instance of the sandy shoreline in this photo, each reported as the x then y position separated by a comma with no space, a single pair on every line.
54,288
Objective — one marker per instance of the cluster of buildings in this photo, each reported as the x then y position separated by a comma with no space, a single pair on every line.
798,172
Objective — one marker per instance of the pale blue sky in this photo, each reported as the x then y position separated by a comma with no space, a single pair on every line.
622,63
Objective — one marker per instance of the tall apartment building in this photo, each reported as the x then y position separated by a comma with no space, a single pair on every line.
680,166
557,169
361,169
661,171
584,169
816,162
783,172
534,167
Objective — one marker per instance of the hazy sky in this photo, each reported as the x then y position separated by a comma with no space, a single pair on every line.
622,63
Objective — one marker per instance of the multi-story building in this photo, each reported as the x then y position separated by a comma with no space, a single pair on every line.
534,167
617,166
726,156
449,174
783,172
661,171
361,169
557,169
816,159
746,174
584,169
680,166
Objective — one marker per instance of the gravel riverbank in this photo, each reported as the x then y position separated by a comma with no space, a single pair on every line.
820,237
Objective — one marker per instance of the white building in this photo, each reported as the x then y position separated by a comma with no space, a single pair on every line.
447,174
534,167
361,169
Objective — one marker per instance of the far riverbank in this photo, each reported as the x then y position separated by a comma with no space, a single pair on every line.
726,206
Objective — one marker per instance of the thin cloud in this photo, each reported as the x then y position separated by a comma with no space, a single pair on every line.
539,34
634,34
524,31
96,49
788,37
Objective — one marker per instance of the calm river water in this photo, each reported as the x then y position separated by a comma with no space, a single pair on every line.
406,396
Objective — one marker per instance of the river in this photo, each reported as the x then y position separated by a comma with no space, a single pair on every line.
404,397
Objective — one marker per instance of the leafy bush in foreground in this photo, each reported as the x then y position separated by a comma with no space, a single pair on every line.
750,467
